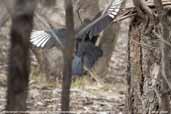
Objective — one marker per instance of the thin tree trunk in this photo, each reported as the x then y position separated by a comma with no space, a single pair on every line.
19,56
68,56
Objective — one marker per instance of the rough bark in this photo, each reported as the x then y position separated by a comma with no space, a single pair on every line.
149,58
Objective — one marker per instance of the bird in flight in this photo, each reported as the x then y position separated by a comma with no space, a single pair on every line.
87,53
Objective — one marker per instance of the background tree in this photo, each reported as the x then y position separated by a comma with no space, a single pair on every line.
19,56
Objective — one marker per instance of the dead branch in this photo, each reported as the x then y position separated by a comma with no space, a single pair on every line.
77,10
93,75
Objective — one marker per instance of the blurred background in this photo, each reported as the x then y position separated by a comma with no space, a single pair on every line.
104,90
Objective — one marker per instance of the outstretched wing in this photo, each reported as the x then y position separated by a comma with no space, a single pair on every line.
101,22
45,39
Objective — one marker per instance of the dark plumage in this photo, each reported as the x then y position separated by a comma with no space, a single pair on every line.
87,54
86,51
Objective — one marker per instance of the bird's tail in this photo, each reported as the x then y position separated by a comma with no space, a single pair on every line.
77,66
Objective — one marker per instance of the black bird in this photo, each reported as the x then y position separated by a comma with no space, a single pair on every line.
86,52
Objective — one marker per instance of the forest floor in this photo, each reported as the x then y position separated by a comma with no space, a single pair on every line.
86,97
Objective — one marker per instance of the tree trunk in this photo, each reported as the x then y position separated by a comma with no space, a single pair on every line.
148,88
68,53
19,56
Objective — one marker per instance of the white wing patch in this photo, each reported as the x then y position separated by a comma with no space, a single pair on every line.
40,38
114,8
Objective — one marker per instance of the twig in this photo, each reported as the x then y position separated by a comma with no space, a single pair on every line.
101,34
9,10
93,75
77,10
79,16
107,7
161,39
123,18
